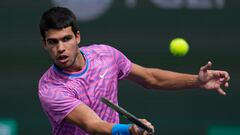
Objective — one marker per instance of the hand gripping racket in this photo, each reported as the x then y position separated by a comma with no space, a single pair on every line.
126,114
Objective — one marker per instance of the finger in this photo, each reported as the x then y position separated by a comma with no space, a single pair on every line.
143,120
222,79
153,130
145,133
226,84
221,91
224,74
150,126
147,123
134,130
207,66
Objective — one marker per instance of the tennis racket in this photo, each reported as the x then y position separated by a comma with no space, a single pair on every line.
126,114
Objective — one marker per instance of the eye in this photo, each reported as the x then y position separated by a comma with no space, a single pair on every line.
67,38
52,41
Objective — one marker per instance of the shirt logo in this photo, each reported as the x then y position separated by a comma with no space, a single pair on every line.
102,75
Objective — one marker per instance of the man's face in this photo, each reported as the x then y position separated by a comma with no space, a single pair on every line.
62,46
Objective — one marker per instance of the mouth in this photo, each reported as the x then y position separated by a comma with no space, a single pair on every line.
62,58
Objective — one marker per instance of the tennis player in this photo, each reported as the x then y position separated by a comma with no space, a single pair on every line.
70,90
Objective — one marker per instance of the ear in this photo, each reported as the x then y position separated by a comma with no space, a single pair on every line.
78,37
44,44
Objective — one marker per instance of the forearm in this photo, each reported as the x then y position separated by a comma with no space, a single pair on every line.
100,128
89,121
163,79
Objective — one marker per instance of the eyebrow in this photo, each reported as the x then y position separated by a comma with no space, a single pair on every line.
66,36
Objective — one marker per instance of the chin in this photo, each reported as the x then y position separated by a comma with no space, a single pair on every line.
66,65
62,66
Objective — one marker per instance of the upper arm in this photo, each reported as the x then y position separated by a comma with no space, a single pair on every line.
161,79
88,120
141,75
60,105
57,102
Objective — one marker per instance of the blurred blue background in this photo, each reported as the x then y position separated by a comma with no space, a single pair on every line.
142,30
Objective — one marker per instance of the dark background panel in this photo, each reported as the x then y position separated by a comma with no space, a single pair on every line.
143,33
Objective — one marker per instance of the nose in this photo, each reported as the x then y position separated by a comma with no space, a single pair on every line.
60,47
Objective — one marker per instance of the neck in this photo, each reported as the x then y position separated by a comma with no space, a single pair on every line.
78,64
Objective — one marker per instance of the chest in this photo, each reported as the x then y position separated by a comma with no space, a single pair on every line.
100,80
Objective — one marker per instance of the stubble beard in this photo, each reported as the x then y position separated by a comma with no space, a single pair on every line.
72,63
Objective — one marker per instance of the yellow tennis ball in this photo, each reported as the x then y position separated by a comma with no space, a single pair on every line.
179,47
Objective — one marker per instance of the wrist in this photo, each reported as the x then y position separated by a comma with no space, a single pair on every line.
121,129
199,82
